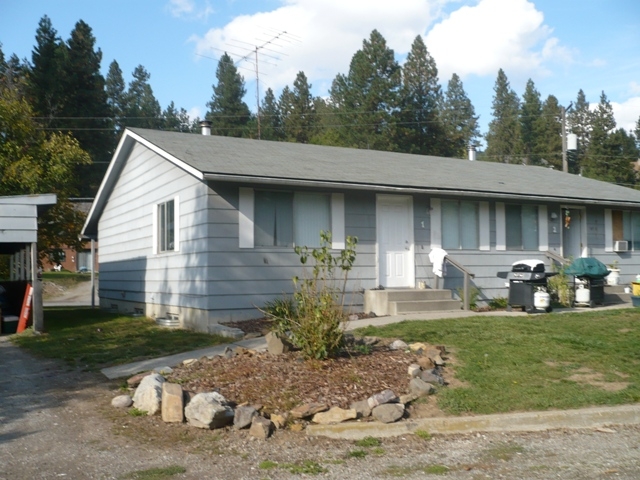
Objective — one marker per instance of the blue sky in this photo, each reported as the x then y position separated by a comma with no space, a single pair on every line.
562,45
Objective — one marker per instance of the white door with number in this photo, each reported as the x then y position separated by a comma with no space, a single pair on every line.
395,241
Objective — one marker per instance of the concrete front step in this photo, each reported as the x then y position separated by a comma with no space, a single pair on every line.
396,308
395,301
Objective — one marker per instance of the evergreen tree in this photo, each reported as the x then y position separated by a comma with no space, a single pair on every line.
298,113
459,119
367,98
609,153
116,95
548,143
228,113
86,106
504,142
175,120
530,118
142,108
270,121
579,122
47,73
420,130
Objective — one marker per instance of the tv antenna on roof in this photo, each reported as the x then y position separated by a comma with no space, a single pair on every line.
269,44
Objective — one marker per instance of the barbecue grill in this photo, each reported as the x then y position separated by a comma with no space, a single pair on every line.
528,286
589,278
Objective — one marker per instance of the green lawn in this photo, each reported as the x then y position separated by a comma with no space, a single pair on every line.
554,361
92,339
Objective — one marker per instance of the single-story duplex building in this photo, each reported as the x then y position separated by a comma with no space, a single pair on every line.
203,227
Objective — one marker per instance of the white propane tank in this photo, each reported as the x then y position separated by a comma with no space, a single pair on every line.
583,295
541,300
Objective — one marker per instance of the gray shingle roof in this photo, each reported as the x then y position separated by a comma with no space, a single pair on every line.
234,157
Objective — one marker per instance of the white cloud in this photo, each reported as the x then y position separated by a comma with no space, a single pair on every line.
189,9
634,88
494,34
323,36
627,113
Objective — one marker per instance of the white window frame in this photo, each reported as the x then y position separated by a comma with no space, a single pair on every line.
246,218
156,226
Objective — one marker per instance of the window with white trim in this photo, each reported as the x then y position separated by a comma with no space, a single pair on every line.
522,227
166,226
285,219
460,225
626,226
269,218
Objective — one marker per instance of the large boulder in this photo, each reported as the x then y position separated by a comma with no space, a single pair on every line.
208,410
243,416
277,344
148,395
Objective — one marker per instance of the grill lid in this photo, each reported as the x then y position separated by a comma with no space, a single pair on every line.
531,265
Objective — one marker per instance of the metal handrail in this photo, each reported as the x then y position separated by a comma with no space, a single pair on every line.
557,258
465,285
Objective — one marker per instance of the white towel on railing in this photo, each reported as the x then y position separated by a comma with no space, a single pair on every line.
436,257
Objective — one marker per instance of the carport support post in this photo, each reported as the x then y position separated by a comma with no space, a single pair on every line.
36,299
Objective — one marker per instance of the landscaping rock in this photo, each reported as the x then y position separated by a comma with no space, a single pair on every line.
425,362
398,345
189,361
414,370
420,387
335,415
435,355
362,408
308,409
279,421
260,428
353,317
228,353
166,370
243,416
431,376
408,398
418,347
370,341
134,381
388,412
205,410
122,401
277,345
224,331
148,395
297,427
172,403
386,396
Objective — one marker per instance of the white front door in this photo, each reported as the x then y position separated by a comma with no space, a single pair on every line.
395,241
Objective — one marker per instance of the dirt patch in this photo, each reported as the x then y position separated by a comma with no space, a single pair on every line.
589,377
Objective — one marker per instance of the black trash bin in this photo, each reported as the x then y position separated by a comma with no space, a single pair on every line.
528,286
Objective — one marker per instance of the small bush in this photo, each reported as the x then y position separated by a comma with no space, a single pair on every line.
498,303
474,295
315,320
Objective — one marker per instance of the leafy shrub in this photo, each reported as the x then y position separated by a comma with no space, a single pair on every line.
498,303
474,294
316,321
560,287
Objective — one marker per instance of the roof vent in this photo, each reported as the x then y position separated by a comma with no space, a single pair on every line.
205,125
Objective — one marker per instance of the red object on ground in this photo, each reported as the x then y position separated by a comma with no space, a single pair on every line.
26,309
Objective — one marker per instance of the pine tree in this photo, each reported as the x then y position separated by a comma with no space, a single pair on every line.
579,122
270,120
368,97
504,142
116,95
175,120
530,119
459,119
298,113
548,142
228,113
142,108
420,130
47,73
609,154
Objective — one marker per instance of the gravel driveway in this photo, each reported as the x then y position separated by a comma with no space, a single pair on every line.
58,423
